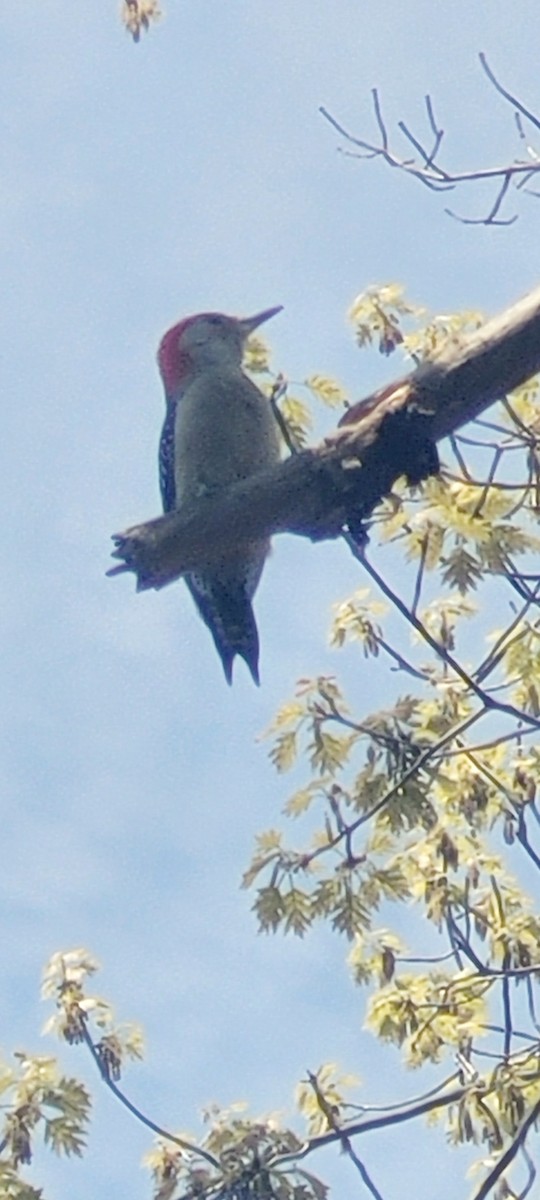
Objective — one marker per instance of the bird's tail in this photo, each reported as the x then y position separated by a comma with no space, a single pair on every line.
225,608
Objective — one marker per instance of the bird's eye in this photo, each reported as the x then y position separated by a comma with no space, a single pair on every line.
214,320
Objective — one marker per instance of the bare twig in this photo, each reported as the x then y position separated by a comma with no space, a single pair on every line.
513,100
491,218
428,171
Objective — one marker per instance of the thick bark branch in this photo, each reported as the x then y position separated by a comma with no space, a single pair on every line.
393,432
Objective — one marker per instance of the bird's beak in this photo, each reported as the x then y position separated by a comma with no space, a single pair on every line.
250,323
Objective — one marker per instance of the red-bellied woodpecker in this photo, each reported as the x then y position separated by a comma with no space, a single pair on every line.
219,428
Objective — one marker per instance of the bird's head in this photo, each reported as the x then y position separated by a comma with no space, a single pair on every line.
206,340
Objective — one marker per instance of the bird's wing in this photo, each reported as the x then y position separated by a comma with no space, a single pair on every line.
166,460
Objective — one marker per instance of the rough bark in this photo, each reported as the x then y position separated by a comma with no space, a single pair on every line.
314,494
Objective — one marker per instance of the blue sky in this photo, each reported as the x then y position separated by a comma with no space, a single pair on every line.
139,184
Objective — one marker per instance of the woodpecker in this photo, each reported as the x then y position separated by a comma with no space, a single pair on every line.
219,428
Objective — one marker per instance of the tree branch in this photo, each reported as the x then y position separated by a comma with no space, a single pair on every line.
315,493
504,1161
426,166
405,1112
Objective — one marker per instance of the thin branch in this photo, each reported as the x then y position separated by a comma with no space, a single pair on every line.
523,838
527,434
530,1002
279,389
456,940
491,217
433,176
401,663
346,1146
514,735
434,1091
533,809
362,1171
197,1151
497,428
507,95
438,133
506,639
518,1033
488,702
420,575
407,1112
428,171
454,442
397,787
509,1155
378,115
507,1009
531,1169
489,481
493,974
429,163
485,484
